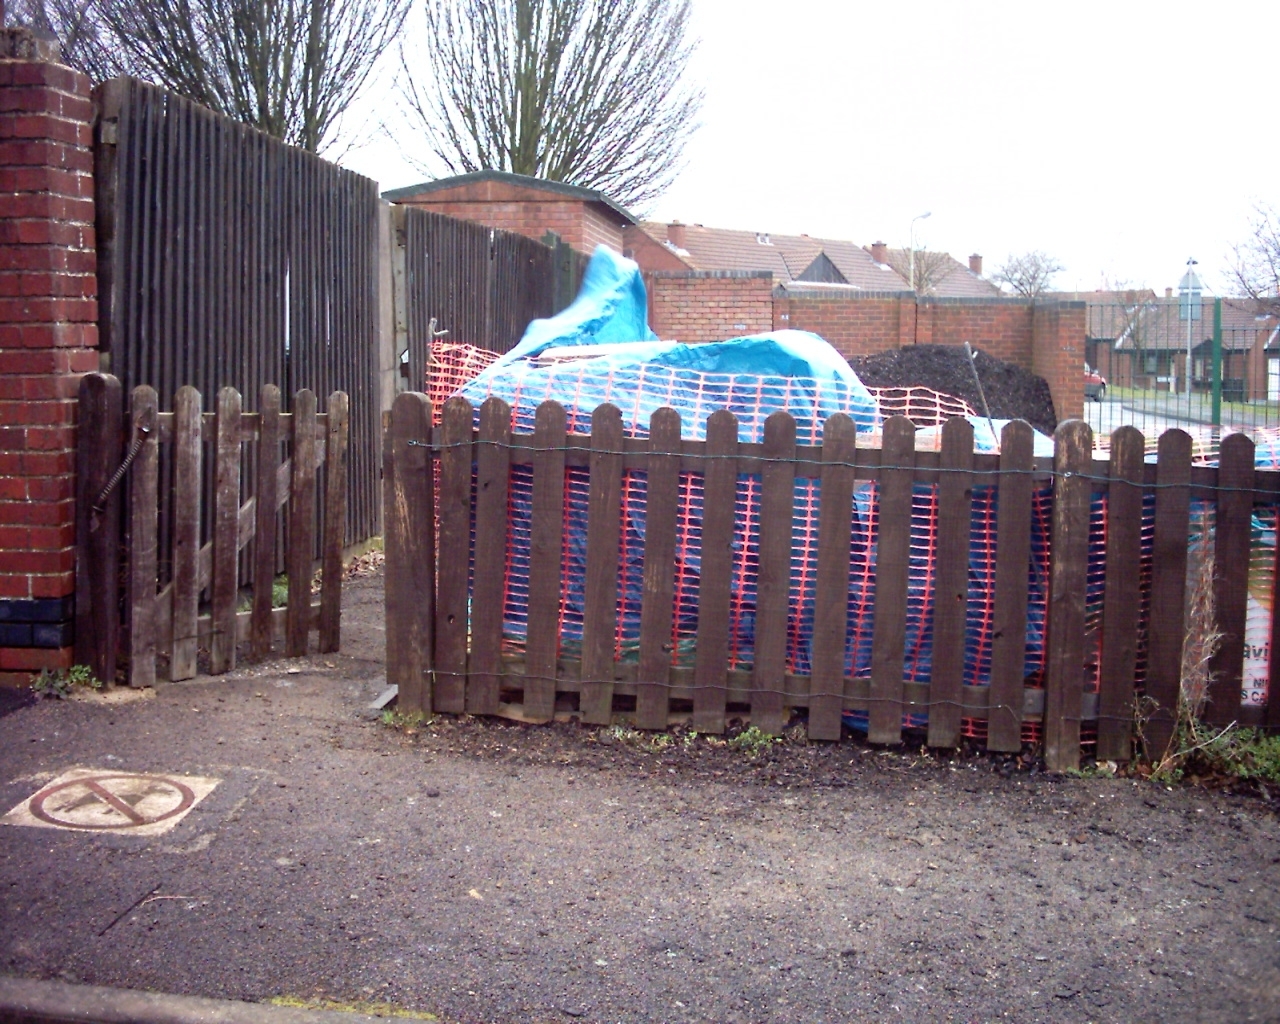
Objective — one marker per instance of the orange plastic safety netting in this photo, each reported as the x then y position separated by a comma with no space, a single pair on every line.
449,366
453,365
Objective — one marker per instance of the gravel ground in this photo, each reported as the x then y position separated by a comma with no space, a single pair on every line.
486,871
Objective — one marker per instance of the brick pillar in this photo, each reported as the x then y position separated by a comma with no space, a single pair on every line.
1058,332
908,310
925,312
48,339
781,309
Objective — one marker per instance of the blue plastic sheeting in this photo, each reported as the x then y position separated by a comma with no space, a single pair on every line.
611,306
753,377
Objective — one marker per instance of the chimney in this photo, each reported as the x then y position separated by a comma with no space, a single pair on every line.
675,234
879,252
975,265
1168,293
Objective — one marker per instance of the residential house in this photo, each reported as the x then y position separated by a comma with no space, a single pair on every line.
800,259
1136,339
939,273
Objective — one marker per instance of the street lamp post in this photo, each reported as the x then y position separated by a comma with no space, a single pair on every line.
1190,288
911,255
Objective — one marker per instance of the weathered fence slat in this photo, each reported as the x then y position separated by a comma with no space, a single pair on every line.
773,588
662,494
493,473
546,535
1009,612
715,577
893,562
1272,714
1068,574
1232,537
831,600
266,509
187,478
454,560
302,522
337,428
1168,589
225,582
600,593
951,583
143,514
97,616
1120,607
409,542
207,240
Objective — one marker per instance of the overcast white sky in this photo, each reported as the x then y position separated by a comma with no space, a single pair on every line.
1121,137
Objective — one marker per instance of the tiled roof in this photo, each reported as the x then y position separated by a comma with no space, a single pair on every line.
787,257
716,249
953,280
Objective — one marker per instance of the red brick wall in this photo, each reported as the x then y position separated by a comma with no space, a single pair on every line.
48,338
999,327
650,254
856,325
597,229
709,306
1046,338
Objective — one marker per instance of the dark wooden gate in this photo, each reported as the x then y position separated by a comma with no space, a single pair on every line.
201,606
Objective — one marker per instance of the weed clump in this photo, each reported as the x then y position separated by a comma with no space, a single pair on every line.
408,722
752,741
60,683
1195,747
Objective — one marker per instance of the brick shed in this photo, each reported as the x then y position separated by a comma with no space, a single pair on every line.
582,217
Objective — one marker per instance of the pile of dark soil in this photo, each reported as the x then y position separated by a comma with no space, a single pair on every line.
1012,392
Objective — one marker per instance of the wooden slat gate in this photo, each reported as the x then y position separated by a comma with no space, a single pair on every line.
200,606
445,650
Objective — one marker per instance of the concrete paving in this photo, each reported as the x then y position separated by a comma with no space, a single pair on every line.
28,1001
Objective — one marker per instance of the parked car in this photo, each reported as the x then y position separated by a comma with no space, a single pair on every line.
1095,385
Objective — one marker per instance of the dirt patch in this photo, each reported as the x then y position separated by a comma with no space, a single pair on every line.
1012,392
488,871
111,696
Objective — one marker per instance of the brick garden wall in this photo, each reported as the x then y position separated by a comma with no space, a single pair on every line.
1000,327
48,339
856,325
1046,338
698,306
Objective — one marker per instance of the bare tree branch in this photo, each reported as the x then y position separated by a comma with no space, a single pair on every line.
1029,274
289,67
1257,261
1130,317
587,92
929,268
86,46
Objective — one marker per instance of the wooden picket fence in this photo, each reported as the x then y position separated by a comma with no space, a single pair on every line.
445,650
171,620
